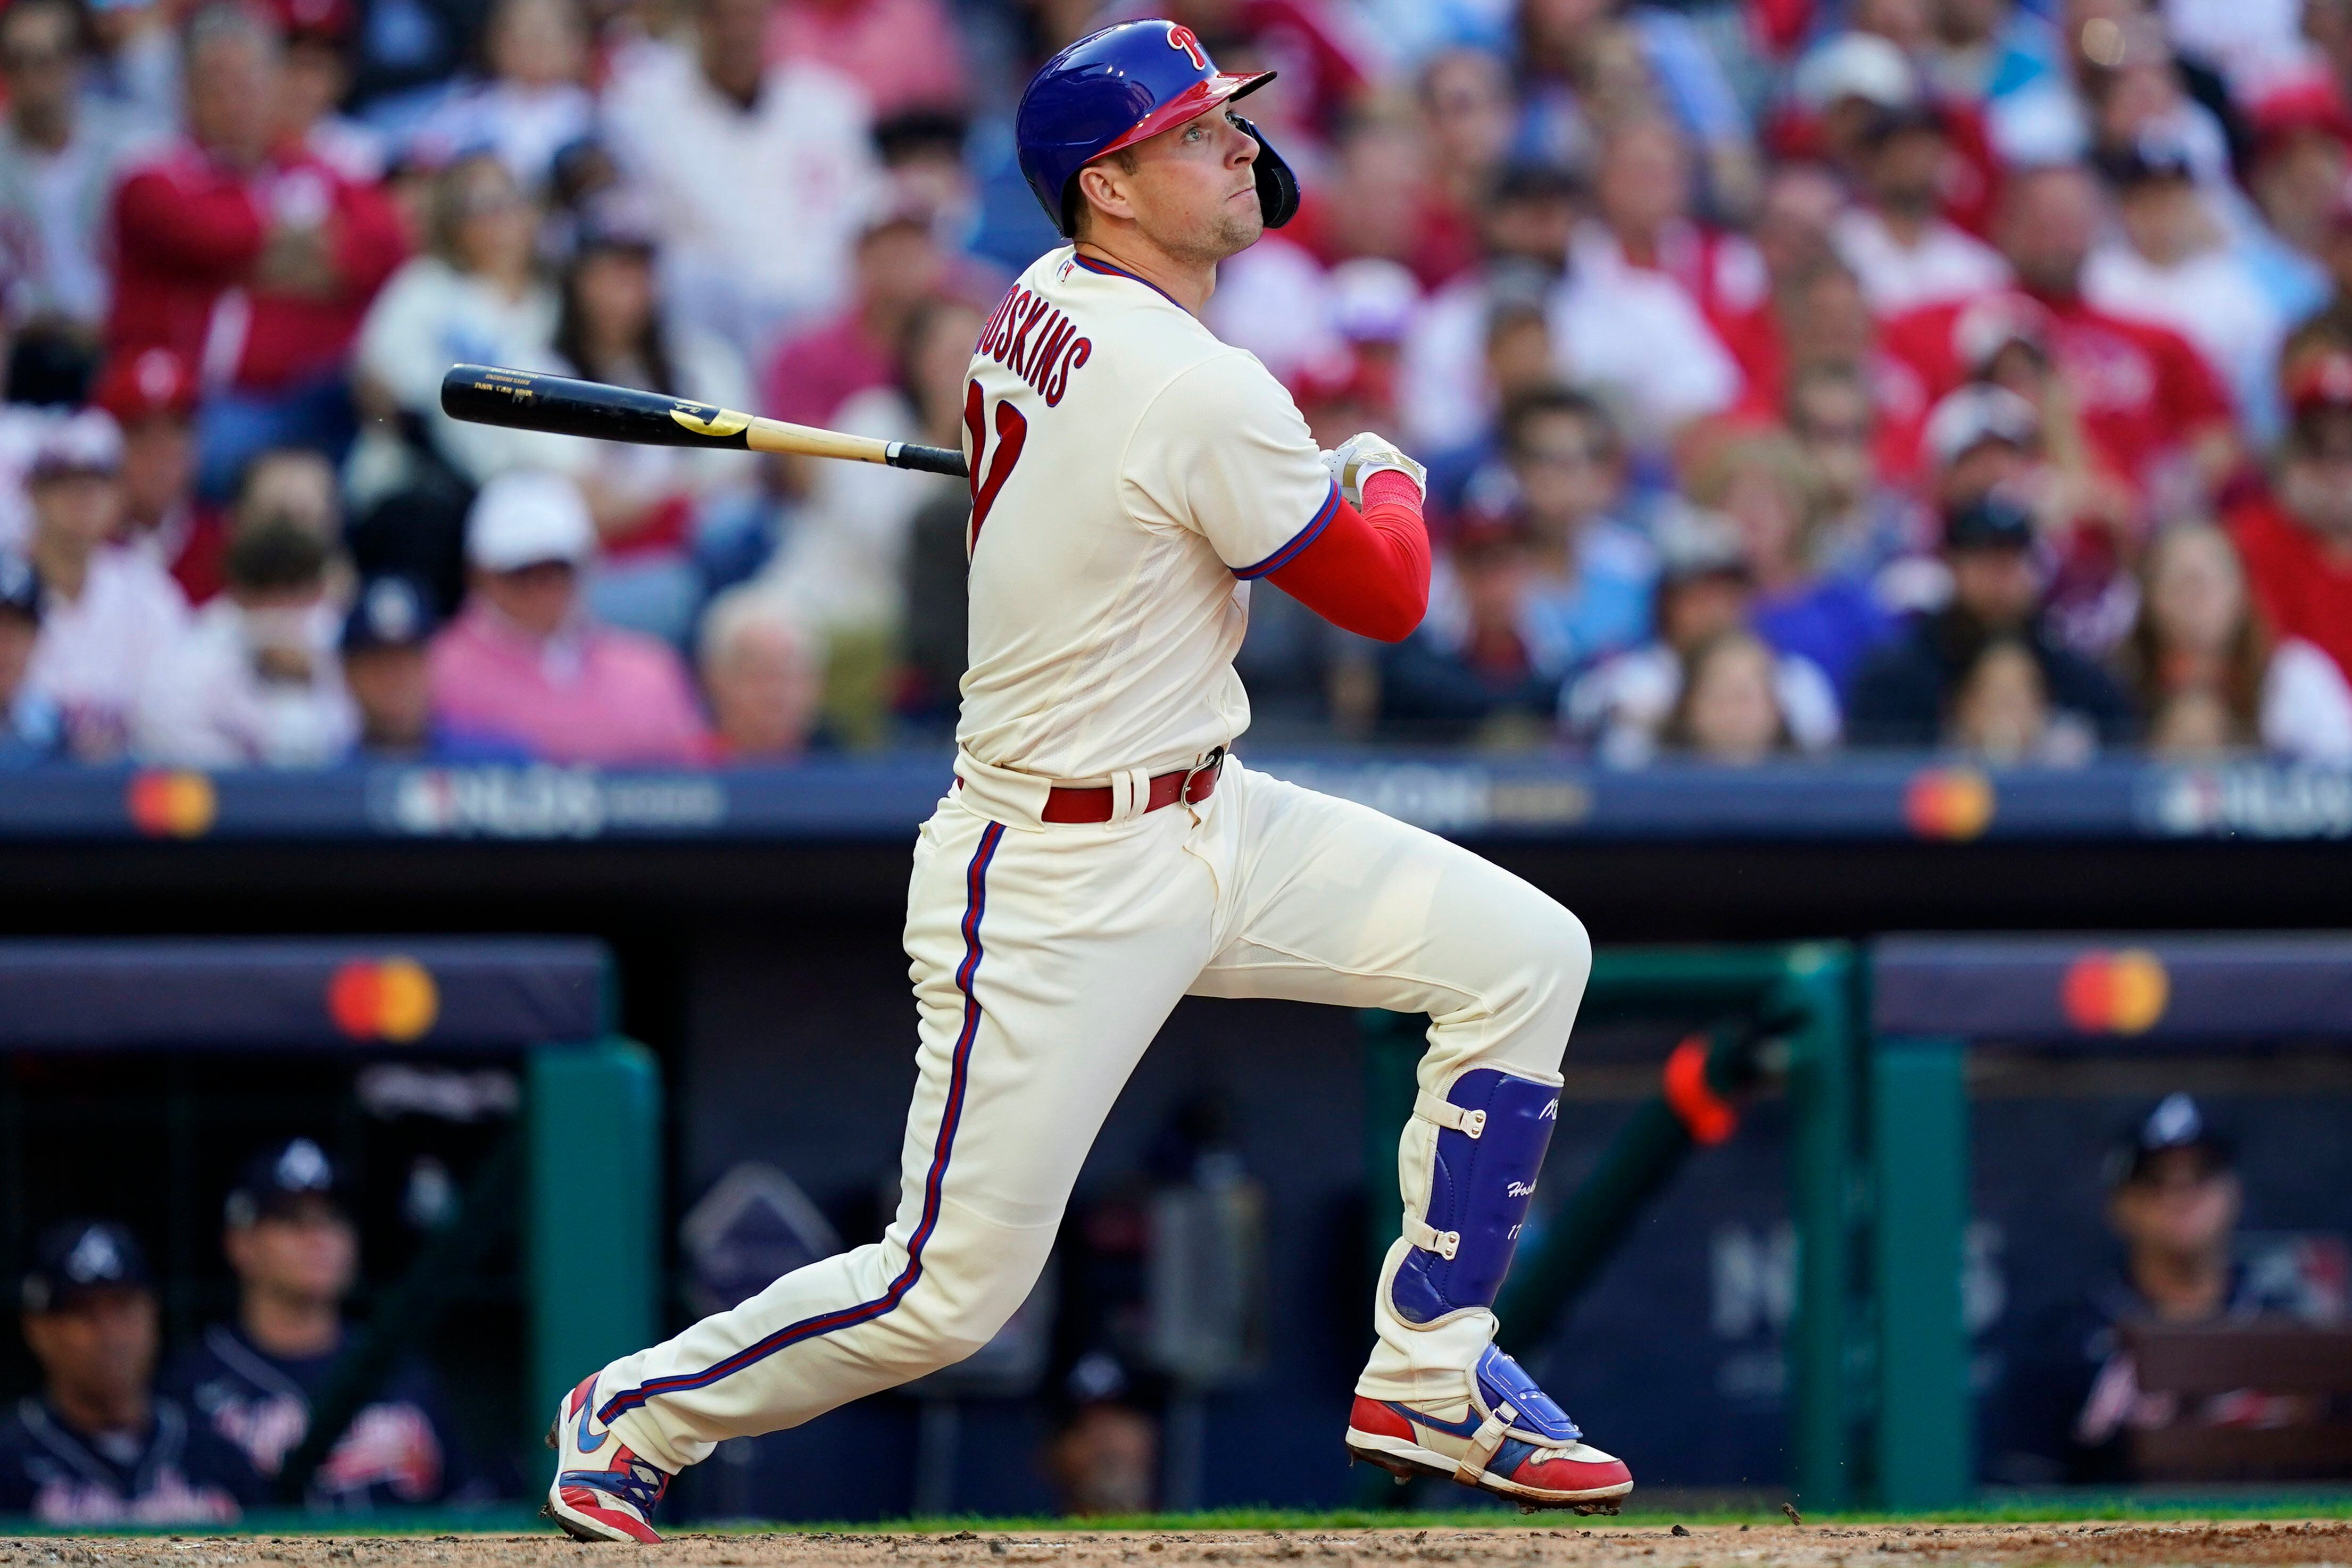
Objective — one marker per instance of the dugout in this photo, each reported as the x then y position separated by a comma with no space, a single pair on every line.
502,1141
2000,1070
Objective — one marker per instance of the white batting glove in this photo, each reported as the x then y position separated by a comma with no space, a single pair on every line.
1358,459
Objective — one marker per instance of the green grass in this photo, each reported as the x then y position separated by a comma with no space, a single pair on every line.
2316,1504
2023,1509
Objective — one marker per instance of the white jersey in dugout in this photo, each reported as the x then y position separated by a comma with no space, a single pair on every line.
1130,475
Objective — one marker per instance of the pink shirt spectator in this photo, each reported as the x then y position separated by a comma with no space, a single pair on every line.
592,695
816,374
867,41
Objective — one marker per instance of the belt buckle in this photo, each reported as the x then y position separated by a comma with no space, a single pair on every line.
1209,765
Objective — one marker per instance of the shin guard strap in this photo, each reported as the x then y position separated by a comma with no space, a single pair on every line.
1447,1115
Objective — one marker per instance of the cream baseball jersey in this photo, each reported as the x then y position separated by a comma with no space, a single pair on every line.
1130,475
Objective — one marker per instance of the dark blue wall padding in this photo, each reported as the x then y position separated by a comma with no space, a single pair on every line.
2230,991
302,995
1870,798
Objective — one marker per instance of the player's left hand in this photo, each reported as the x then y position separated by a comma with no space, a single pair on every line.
1358,459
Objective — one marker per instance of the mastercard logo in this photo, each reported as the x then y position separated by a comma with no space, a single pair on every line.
2115,993
1948,803
171,805
384,998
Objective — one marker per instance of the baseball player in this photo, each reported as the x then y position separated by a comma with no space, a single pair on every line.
97,1445
290,1239
1101,854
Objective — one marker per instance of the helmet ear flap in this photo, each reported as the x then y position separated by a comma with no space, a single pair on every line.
1277,187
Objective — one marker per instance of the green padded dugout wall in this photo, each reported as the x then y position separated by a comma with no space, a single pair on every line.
589,1202
1804,998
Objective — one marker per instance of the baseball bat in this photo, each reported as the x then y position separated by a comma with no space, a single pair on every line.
525,400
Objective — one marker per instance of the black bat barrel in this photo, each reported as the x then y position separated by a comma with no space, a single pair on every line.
524,399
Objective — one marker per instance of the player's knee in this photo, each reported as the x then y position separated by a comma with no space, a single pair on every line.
1570,947
960,1303
1556,954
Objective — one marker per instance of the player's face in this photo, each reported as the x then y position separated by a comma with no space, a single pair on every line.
2182,1204
1194,190
100,1346
309,1253
394,695
539,598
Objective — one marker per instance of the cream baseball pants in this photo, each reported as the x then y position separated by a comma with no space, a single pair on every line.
1045,958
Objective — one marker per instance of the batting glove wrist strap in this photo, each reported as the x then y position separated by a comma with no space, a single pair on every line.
1357,459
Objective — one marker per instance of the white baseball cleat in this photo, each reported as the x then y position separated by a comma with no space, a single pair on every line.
603,1491
1507,1437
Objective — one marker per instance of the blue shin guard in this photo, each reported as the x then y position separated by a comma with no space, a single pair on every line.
1492,1128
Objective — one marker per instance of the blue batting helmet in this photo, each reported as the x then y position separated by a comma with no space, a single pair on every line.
1110,90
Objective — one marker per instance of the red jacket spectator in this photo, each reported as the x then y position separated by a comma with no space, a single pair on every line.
2144,393
2304,586
191,235
2298,547
153,396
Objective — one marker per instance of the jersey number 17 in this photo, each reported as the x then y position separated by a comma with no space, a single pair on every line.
987,479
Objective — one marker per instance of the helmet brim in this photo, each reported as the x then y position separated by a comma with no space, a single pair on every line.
1191,104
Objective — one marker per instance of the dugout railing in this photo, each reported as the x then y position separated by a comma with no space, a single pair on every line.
1763,1017
1937,998
135,1074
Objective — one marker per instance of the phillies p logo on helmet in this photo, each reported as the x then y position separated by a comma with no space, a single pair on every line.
1120,86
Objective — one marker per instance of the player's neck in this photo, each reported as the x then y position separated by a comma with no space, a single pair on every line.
2182,1287
93,1412
1189,284
292,1327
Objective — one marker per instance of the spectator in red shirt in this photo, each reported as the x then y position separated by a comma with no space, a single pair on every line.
2150,406
153,396
1642,190
524,660
868,41
2297,544
899,268
1381,200
254,264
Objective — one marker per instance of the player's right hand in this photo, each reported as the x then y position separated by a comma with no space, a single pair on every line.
1361,455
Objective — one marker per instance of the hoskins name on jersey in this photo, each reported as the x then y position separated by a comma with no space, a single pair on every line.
1036,342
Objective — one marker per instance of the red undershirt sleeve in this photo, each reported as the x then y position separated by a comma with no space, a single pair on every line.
1367,572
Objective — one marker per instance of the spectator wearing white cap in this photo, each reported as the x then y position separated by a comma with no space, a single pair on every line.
255,681
1985,440
109,611
525,659
1906,253
1844,84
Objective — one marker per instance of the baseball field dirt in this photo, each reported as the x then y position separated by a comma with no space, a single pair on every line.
2285,1544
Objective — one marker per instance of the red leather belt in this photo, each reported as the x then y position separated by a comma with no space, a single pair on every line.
1074,803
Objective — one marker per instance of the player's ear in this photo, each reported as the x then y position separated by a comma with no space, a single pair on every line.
1098,185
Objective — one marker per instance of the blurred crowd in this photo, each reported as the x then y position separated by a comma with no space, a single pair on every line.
1792,374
